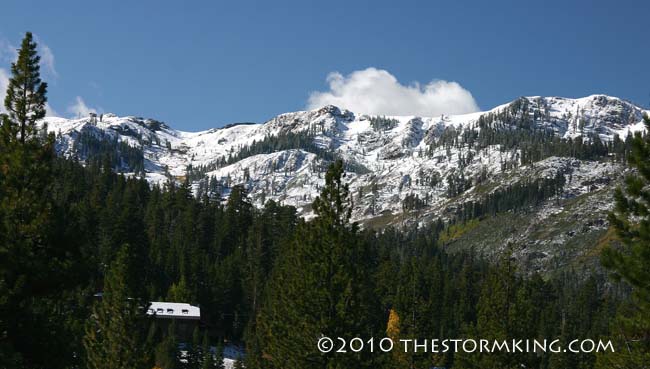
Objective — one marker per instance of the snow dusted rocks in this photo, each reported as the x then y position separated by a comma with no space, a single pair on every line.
284,159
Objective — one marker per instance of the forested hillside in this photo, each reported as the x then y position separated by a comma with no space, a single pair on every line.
257,275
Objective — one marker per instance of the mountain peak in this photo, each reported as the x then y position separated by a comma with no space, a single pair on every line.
389,160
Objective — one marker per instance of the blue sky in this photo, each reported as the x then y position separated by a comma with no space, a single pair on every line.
198,65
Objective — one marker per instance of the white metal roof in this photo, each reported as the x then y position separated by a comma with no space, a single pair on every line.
174,310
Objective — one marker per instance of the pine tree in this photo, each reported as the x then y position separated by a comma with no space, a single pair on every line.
494,318
179,292
25,99
167,354
631,220
320,288
34,263
114,335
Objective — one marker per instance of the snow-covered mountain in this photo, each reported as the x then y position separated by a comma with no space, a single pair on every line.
401,169
398,157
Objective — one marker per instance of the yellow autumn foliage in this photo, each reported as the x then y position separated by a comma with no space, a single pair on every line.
392,328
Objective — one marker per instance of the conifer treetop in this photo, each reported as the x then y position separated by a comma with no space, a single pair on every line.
334,201
26,93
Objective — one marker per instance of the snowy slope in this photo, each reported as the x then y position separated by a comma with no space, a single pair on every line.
384,165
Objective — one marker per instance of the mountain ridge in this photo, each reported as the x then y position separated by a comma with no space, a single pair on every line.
372,145
533,158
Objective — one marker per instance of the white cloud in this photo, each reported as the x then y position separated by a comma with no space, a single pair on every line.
47,58
376,91
4,83
8,52
47,61
79,109
50,112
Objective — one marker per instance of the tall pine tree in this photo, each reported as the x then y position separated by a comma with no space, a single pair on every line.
631,220
320,287
32,261
25,100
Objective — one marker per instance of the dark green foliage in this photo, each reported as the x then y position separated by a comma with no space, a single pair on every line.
283,141
519,196
631,220
435,294
444,296
115,335
457,184
237,261
93,145
383,123
25,99
39,293
412,202
196,250
166,352
634,201
320,286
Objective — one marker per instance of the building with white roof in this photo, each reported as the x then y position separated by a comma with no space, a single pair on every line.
186,318
174,310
